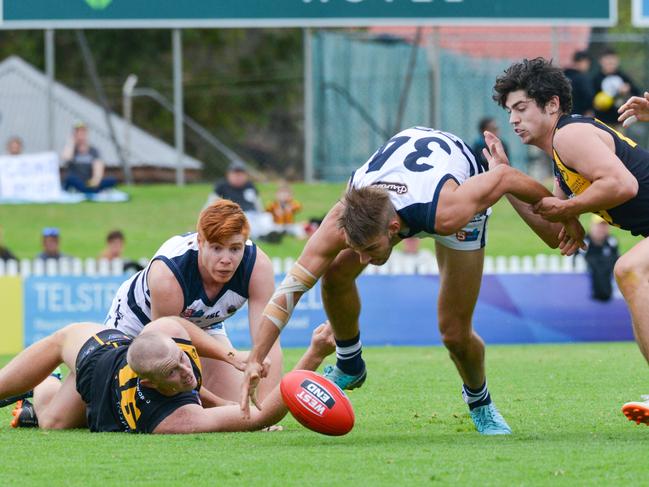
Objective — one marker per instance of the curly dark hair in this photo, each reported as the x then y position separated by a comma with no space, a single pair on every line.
539,78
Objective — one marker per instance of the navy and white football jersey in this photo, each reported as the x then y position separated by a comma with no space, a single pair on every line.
131,307
413,166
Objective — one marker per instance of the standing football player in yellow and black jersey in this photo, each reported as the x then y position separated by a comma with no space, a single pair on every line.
147,384
596,168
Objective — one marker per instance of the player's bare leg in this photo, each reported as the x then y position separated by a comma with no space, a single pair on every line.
460,278
343,307
34,364
63,410
632,276
31,369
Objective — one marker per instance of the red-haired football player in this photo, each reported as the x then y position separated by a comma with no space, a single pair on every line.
204,277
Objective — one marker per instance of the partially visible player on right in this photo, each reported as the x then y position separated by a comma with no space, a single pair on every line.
597,169
636,109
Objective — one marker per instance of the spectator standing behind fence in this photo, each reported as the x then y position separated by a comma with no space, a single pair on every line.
5,253
600,256
612,86
486,124
582,85
85,169
114,246
237,187
51,244
114,249
14,146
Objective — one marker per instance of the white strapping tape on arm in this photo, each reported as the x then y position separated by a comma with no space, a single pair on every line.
297,280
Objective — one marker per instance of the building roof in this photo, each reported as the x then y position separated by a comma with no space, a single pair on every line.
502,41
23,113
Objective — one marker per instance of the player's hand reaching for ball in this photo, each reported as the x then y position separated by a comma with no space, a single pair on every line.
252,374
322,341
240,361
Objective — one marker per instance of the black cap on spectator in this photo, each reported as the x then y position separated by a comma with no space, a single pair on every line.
239,166
580,56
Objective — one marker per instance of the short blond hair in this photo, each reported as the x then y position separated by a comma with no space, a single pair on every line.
147,352
366,214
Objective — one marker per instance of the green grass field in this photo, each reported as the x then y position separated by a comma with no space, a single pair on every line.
412,428
157,212
563,401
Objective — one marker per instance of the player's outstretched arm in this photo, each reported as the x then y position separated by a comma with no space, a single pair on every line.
195,419
567,235
206,346
321,249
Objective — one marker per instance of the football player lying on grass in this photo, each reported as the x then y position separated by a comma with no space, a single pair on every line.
147,384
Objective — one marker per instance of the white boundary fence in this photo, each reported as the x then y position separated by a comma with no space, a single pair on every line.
397,265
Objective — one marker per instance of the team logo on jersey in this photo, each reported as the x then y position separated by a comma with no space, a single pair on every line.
398,188
468,236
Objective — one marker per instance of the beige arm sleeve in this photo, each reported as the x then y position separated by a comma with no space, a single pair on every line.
282,303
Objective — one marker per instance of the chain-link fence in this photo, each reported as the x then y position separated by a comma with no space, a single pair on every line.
368,86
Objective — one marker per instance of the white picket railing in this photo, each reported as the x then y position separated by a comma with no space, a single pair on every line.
398,264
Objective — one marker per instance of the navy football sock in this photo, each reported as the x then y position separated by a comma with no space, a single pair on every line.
476,397
348,355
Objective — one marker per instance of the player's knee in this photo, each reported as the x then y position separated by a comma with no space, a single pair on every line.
626,273
456,341
52,422
59,337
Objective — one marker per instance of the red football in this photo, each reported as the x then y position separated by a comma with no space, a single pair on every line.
317,403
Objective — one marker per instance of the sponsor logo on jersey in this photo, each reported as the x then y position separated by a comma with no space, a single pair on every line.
192,313
467,236
398,188
315,397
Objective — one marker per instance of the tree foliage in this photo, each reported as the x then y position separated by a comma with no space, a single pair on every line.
244,86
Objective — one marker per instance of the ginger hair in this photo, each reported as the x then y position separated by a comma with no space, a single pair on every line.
221,220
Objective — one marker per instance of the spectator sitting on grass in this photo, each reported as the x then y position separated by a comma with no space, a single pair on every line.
283,209
85,169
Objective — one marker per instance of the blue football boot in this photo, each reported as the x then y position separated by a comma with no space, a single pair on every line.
342,380
488,421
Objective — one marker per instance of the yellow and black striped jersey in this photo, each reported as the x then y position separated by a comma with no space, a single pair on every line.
632,215
115,399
